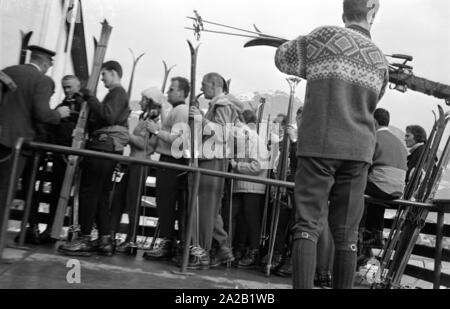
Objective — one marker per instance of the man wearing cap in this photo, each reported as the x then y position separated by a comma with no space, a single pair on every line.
24,107
346,77
108,131
170,184
142,144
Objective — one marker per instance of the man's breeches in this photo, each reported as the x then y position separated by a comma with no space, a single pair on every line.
337,184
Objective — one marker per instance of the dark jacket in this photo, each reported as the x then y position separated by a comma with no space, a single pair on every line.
108,121
113,110
22,109
413,161
62,133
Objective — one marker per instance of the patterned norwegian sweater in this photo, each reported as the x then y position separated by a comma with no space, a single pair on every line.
346,77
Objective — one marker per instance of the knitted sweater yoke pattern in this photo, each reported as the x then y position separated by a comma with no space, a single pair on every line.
346,75
335,52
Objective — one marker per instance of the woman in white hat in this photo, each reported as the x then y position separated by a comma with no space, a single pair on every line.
128,197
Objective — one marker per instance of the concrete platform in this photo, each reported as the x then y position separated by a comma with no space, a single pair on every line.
44,268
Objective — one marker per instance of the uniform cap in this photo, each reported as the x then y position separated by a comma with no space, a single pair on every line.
38,50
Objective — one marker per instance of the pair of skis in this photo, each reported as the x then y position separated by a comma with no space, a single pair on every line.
410,220
24,47
79,139
135,62
194,179
282,171
408,194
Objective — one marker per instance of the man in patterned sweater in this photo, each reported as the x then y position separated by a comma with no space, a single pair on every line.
346,77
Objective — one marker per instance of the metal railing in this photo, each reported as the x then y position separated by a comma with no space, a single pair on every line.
36,148
22,144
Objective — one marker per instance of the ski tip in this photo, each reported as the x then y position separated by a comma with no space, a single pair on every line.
140,56
190,45
252,43
256,28
192,48
264,42
26,36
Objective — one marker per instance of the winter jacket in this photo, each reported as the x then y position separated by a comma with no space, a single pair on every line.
251,160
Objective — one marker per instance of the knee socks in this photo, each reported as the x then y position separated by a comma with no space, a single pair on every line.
304,263
344,269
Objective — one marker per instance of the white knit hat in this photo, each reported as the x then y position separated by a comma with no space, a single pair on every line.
155,94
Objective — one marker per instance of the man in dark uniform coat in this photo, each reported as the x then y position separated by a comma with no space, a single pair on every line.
23,108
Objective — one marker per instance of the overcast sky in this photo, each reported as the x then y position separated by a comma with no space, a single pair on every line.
420,28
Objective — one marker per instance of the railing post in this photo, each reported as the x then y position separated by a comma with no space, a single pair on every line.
29,198
10,195
438,249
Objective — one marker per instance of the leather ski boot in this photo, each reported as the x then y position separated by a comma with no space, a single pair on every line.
106,245
78,247
285,270
162,252
250,260
222,256
323,279
198,258
124,247
239,252
277,261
